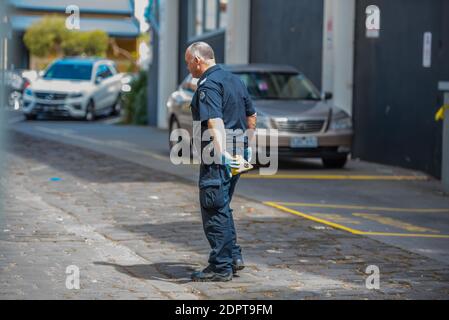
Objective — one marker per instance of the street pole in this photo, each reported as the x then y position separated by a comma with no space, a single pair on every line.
153,70
5,33
168,57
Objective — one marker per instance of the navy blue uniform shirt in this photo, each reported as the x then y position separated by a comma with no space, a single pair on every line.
221,94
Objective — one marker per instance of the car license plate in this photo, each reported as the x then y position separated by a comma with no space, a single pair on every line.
304,142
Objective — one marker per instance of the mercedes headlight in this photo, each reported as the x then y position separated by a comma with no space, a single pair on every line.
28,92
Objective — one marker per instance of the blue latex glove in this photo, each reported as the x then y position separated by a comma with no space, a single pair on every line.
230,162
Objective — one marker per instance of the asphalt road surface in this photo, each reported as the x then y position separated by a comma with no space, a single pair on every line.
393,205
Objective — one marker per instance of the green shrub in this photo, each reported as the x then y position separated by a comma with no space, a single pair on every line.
135,101
50,36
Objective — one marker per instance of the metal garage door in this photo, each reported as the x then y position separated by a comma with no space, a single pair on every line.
395,96
288,32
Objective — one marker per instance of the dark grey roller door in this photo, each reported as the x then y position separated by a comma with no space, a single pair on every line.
288,32
395,97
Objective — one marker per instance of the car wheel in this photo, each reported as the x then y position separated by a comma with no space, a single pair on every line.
90,112
117,107
30,116
174,124
335,162
261,161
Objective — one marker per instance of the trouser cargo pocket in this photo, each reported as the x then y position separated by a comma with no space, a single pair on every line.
211,194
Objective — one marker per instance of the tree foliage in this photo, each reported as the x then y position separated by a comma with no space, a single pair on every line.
49,36
46,36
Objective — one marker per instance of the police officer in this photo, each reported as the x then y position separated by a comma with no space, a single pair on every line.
221,102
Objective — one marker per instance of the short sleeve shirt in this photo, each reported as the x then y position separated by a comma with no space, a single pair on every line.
221,94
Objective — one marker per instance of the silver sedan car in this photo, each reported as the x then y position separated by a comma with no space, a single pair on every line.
308,125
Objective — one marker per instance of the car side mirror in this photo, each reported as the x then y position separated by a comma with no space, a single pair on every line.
327,95
98,79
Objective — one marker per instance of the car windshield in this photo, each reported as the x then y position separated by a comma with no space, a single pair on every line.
67,71
279,86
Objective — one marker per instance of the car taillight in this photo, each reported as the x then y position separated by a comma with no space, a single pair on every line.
27,84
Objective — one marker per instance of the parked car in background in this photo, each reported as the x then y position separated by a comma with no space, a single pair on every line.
75,87
308,125
16,82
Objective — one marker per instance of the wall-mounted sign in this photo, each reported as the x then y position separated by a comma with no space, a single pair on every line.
443,85
427,50
372,21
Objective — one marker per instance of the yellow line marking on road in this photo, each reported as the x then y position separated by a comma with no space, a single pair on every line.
351,230
335,217
394,222
414,235
334,177
307,216
337,206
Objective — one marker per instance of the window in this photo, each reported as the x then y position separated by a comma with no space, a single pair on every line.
113,68
279,86
207,16
104,71
69,71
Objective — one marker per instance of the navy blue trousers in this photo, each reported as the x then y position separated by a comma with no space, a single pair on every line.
216,191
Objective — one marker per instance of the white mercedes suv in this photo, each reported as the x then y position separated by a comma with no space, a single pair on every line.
75,87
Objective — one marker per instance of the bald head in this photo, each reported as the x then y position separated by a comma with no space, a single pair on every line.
199,57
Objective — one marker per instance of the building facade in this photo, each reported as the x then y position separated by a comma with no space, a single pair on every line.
387,79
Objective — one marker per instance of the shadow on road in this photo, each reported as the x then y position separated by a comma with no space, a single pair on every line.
175,272
179,273
276,242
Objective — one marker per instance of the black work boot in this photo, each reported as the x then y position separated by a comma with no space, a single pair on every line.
208,274
237,265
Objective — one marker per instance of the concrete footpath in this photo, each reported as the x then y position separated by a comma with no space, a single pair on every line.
135,233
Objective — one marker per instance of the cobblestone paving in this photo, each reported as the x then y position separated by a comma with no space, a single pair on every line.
136,233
